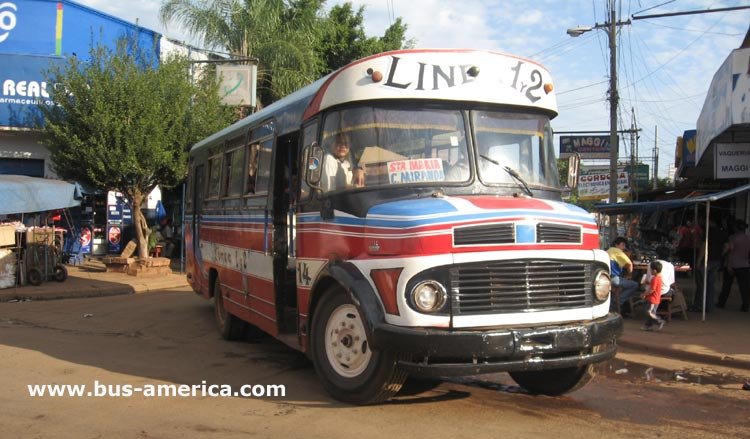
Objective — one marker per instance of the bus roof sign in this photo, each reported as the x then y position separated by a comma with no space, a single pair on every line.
444,74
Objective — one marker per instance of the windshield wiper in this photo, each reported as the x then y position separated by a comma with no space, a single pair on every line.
513,173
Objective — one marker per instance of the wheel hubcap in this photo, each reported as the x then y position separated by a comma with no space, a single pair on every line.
346,342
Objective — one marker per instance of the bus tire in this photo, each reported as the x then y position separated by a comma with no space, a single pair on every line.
554,382
349,370
230,327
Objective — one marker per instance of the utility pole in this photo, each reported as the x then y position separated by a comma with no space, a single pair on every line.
633,176
656,157
611,28
614,98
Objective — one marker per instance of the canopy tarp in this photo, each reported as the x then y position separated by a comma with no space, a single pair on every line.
21,194
650,206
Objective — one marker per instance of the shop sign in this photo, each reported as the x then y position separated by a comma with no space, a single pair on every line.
732,160
593,183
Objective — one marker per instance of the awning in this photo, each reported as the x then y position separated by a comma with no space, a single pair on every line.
650,206
21,194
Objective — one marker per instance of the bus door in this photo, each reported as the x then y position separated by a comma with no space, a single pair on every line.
198,194
283,207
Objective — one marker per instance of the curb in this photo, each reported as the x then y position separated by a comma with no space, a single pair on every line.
695,357
86,290
61,295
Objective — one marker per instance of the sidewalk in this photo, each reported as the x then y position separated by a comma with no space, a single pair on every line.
722,340
91,280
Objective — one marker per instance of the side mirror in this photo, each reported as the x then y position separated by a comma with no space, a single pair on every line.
574,164
313,155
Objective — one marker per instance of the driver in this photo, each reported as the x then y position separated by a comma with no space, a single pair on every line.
338,171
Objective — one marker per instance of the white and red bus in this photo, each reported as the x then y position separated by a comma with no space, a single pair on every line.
457,256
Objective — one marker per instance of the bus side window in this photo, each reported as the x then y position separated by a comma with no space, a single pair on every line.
252,167
309,136
233,172
189,186
263,177
214,177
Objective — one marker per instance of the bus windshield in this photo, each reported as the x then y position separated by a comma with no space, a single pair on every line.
520,142
396,146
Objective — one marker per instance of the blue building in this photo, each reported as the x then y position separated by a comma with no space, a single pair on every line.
36,35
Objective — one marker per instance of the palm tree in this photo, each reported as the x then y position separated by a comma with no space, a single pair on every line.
280,33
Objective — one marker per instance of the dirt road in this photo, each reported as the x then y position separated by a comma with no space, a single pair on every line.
168,337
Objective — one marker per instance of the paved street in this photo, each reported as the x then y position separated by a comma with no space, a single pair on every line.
168,337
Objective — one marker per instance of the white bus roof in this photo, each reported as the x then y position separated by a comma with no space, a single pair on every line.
465,75
439,74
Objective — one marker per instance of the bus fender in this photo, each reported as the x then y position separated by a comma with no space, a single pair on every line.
364,296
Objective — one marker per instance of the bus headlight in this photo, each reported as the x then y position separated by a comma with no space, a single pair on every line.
602,286
428,296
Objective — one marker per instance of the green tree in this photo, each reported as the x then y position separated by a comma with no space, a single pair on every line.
118,123
295,41
281,34
342,37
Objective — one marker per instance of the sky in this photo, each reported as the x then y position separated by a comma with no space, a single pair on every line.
665,65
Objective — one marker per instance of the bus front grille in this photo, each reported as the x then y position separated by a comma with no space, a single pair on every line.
485,234
558,233
520,286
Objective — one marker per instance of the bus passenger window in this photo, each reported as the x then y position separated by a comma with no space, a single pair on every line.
234,175
264,166
252,167
214,177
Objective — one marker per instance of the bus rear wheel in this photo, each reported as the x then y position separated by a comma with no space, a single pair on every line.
349,369
230,327
554,382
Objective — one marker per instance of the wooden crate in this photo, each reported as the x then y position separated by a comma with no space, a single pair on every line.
7,235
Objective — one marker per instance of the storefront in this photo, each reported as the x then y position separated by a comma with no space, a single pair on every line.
37,35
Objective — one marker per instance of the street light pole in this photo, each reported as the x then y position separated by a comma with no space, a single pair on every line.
611,28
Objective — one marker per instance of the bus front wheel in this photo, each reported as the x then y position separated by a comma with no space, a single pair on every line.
230,327
349,369
554,382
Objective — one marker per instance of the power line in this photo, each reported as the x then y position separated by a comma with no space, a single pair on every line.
702,11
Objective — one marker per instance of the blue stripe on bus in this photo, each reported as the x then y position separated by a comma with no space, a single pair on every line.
417,221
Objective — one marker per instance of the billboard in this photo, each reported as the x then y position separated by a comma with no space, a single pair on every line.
593,183
588,147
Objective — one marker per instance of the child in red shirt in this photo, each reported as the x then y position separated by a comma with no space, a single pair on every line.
653,297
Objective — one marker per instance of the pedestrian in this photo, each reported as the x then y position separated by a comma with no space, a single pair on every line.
653,297
686,243
166,237
737,266
621,269
717,244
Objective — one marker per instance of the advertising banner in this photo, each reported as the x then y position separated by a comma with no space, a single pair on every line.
593,183
23,88
43,27
588,147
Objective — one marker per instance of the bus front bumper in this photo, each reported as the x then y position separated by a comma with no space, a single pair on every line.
445,352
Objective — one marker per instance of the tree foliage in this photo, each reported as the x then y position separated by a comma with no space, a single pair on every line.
295,41
118,123
342,37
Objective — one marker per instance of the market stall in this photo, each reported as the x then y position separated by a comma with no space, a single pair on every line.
32,251
650,206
